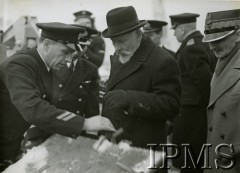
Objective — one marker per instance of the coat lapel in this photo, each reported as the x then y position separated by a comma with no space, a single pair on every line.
133,65
78,76
229,76
63,75
46,76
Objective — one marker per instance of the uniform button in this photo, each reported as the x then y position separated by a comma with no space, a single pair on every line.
60,99
79,99
60,85
78,112
222,136
223,113
80,86
44,96
210,128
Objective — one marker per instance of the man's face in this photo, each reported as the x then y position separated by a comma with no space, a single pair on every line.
223,47
84,22
57,55
125,44
178,33
155,37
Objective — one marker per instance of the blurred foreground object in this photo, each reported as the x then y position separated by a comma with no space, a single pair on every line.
21,34
63,154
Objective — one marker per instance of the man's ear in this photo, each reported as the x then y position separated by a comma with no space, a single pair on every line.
46,44
238,35
182,29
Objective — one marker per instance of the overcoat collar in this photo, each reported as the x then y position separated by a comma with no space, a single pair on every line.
229,76
78,76
139,57
44,73
193,35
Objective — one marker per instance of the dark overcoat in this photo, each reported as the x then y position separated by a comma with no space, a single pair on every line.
152,81
194,63
25,93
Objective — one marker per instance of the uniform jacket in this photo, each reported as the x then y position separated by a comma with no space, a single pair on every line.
194,63
223,114
152,81
76,92
79,93
96,51
25,95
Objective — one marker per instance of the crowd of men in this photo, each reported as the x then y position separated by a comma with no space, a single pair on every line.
54,88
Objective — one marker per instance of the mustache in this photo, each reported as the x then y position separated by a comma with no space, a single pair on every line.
124,53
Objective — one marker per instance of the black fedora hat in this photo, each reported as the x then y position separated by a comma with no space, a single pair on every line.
120,21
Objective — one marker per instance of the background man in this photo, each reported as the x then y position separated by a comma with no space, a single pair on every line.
224,105
153,28
96,51
144,88
194,62
26,91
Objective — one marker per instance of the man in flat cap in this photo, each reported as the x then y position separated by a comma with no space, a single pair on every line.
196,72
154,29
222,32
96,50
26,91
144,88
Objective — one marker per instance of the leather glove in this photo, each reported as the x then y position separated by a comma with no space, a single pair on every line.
117,99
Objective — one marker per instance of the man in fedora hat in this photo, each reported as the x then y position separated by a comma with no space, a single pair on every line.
154,29
144,88
26,91
222,32
96,50
196,72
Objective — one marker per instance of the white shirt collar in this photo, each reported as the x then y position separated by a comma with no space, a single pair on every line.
74,62
48,68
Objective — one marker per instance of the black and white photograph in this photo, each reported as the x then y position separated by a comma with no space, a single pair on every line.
130,86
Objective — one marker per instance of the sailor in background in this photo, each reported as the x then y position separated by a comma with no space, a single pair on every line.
154,29
96,51
190,127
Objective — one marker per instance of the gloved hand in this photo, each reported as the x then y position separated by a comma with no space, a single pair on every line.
116,99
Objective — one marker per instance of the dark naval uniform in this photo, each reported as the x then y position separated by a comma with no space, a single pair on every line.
25,93
195,66
77,92
151,82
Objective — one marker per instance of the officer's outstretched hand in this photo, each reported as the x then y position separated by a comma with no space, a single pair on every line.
116,99
98,123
